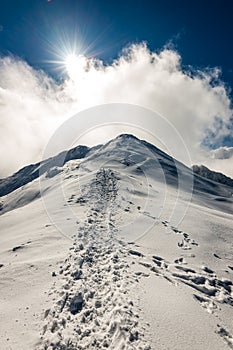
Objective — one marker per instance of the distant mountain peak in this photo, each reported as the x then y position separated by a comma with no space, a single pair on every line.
203,171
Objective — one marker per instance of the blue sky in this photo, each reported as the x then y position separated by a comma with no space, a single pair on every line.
184,71
200,30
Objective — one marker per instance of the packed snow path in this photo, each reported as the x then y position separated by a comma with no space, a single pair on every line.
92,308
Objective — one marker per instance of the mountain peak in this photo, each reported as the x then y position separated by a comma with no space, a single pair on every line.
127,137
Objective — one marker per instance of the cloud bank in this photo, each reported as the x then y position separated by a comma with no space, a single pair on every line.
33,105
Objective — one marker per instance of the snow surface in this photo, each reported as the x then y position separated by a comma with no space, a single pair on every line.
108,251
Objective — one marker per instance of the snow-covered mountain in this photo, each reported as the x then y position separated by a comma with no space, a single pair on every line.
33,171
212,175
118,246
138,156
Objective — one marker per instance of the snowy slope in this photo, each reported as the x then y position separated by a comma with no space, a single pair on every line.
33,171
123,260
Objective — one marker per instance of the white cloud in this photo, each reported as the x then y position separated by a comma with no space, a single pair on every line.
32,105
222,153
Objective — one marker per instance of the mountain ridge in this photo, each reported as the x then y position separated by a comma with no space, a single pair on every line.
219,177
123,149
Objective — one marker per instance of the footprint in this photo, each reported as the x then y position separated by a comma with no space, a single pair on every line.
226,336
217,256
17,248
135,252
207,304
206,269
185,269
180,261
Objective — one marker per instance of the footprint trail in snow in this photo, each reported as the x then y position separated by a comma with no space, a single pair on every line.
92,308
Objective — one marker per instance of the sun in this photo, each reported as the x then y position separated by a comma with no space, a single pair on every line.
71,54
75,65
